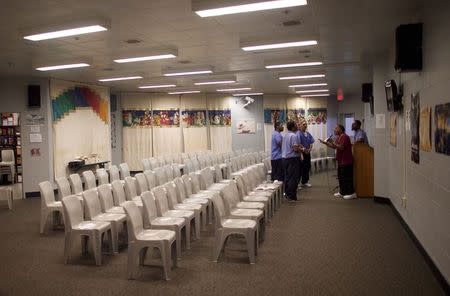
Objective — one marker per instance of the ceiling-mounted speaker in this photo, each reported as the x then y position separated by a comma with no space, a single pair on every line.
408,54
34,96
367,92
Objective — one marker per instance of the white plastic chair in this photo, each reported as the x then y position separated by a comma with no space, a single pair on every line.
153,163
48,204
124,171
161,160
113,173
141,183
94,213
139,240
63,186
107,200
226,227
151,220
150,176
207,180
161,175
146,164
169,172
89,180
176,170
76,184
183,198
131,189
102,176
8,159
76,226
118,193
267,200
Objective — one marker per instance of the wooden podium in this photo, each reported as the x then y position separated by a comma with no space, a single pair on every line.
363,169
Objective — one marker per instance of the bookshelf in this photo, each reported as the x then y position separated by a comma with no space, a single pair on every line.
10,138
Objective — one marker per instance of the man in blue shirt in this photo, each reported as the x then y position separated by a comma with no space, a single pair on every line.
360,135
290,152
306,141
275,157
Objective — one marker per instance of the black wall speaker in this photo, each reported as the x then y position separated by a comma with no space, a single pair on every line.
34,96
408,56
367,92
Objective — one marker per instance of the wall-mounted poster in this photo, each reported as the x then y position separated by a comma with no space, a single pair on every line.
219,117
295,114
393,126
415,137
442,132
274,115
194,118
425,129
136,118
246,126
317,116
166,118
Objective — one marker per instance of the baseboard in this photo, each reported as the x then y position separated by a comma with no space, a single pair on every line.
436,272
32,194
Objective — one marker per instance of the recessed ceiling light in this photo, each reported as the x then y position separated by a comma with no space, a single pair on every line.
184,92
248,94
235,89
316,95
145,58
59,67
265,5
188,73
302,76
158,86
120,78
311,91
290,65
308,85
215,82
280,45
66,33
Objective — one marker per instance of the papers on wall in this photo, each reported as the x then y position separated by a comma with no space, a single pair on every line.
380,121
425,129
34,119
35,129
246,126
414,120
35,138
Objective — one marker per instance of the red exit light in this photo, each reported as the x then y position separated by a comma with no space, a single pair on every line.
340,94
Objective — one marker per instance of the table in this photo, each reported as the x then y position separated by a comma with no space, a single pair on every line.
76,169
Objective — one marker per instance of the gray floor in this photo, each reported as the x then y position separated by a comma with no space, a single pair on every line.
322,246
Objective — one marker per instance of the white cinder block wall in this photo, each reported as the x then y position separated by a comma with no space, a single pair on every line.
425,185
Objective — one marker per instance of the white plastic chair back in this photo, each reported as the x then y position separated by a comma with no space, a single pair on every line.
113,173
187,184
161,176
146,164
189,166
162,204
102,176
73,212
105,196
177,158
76,183
47,193
130,188
206,178
202,161
161,160
181,190
230,195
219,209
169,172
195,182
141,183
8,156
218,173
150,211
153,163
89,179
151,179
176,170
118,192
168,159
63,187
196,164
171,191
124,170
134,220
91,203
241,186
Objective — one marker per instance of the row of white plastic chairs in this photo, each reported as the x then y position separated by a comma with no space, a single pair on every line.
122,193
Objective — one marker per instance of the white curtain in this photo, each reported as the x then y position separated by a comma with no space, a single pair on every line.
318,131
79,131
137,140
274,102
166,140
220,136
195,137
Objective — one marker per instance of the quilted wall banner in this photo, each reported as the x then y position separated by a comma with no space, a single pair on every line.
137,118
219,117
442,128
317,116
295,114
81,123
274,115
166,118
194,118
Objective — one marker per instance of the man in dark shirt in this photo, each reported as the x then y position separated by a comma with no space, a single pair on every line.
344,159
290,152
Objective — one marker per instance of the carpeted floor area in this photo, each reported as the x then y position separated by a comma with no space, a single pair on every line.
321,246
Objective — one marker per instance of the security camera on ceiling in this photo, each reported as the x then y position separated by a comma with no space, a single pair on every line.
248,100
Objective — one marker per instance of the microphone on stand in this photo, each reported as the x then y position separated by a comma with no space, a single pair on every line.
329,138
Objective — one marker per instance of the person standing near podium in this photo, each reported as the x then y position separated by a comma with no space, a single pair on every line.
344,158
306,140
360,135
275,156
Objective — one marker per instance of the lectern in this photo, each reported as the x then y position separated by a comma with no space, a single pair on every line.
363,169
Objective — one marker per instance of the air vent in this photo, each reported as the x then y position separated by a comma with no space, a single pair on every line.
133,41
292,23
108,69
184,62
304,51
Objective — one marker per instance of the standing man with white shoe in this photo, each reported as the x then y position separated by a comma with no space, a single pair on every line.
306,140
344,159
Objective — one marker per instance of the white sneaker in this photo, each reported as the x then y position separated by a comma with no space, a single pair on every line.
307,184
337,194
350,196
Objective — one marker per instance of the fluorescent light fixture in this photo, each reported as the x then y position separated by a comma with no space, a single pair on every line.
264,5
184,92
120,78
308,85
290,65
280,45
311,91
302,76
158,86
235,89
146,58
316,95
66,33
188,73
215,82
60,67
248,94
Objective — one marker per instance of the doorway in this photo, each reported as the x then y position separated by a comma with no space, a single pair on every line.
347,119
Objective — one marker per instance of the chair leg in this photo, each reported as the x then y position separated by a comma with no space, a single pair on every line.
132,254
197,226
187,232
67,247
115,237
84,245
250,238
210,213
43,222
178,242
10,201
219,244
173,252
165,256
204,222
97,248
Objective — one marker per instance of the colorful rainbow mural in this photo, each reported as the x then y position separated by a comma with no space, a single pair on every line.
79,96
